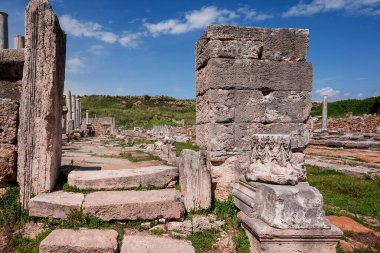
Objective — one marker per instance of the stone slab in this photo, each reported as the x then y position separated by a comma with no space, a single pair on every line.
11,64
8,121
159,176
8,164
154,244
55,204
80,241
264,238
248,74
131,205
195,180
284,206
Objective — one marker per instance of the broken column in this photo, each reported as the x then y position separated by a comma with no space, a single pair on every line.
77,116
87,119
69,122
73,110
4,41
40,131
19,42
253,89
324,113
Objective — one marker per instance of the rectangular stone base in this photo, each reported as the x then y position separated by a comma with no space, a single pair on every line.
264,238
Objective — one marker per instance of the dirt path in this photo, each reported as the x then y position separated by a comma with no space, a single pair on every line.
370,156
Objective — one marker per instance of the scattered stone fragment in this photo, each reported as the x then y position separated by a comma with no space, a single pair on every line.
55,204
154,244
80,241
161,228
200,223
146,225
185,227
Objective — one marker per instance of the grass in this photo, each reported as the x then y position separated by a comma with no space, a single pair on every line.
129,157
136,224
337,157
341,108
184,145
68,188
27,245
10,214
146,188
353,194
157,231
204,240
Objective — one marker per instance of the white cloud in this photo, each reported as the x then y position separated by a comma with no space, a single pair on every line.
252,14
98,50
328,91
347,94
358,7
193,20
360,95
76,28
131,39
75,64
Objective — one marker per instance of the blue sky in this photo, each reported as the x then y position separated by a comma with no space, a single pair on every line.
121,47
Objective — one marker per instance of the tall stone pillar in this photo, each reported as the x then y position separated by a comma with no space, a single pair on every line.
69,124
19,42
80,113
253,88
324,113
77,113
40,128
74,110
87,120
4,41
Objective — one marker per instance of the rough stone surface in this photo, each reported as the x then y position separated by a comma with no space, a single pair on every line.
283,207
159,176
10,89
264,238
201,223
8,121
41,102
11,64
80,241
8,161
195,180
131,205
185,227
55,204
154,244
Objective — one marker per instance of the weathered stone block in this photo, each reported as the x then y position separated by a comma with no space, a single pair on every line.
150,244
264,238
214,136
11,64
216,106
195,180
40,131
8,121
251,74
284,206
80,241
55,204
131,205
8,164
278,44
10,90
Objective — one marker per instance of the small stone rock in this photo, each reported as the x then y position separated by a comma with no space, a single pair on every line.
146,225
158,228
184,227
162,220
201,223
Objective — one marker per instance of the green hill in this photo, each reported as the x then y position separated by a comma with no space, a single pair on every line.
341,108
140,111
147,111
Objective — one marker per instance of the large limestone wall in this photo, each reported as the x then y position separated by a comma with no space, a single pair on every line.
41,102
11,68
250,81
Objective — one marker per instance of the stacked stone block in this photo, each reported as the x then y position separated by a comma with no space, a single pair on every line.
250,81
11,67
40,131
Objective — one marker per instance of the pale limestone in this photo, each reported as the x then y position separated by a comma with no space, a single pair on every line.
154,244
80,241
55,204
159,176
131,205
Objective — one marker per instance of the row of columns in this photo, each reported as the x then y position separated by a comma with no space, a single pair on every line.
74,112
19,41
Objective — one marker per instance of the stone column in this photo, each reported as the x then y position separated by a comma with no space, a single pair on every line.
74,110
77,114
324,113
19,42
41,103
69,115
253,88
4,41
87,120
80,114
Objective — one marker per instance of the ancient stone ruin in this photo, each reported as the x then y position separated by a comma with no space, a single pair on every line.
253,89
41,102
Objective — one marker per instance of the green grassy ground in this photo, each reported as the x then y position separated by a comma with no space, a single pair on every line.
341,192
